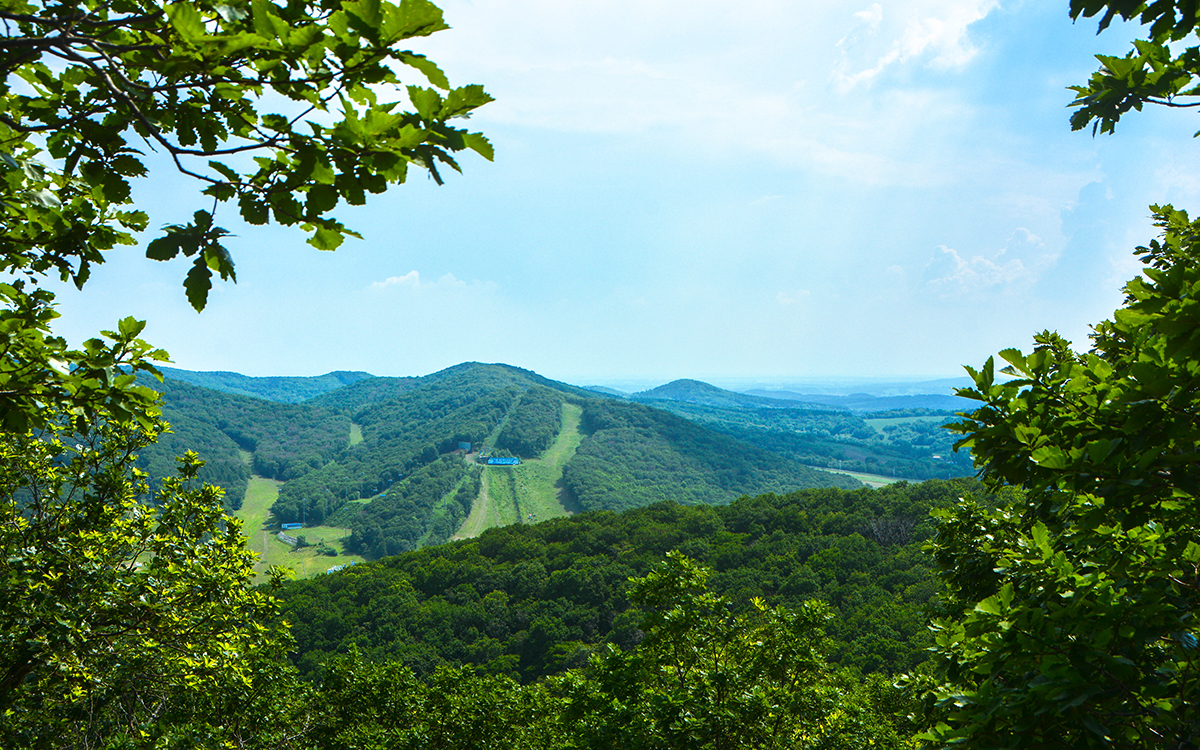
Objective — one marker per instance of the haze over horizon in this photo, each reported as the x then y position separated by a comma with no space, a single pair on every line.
762,192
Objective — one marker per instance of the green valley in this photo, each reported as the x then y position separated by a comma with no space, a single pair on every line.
262,536
384,465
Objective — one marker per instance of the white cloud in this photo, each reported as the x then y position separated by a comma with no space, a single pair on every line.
413,279
871,16
749,81
935,34
1012,268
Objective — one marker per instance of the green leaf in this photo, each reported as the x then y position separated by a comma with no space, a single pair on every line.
427,101
321,198
198,283
230,13
428,67
227,172
45,199
1015,358
416,18
480,145
186,20
1098,450
1041,538
130,327
1192,552
1050,457
267,22
365,10
326,239
990,606
218,259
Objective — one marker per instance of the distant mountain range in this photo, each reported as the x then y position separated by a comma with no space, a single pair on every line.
383,456
701,393
285,389
697,392
296,389
868,402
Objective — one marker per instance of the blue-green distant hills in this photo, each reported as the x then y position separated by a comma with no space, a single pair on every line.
698,392
285,389
382,456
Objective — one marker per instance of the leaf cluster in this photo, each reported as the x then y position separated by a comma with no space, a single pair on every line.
1158,70
1070,615
126,617
87,87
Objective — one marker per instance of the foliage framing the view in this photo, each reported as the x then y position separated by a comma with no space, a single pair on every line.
122,615
1158,70
1071,616
86,87
127,616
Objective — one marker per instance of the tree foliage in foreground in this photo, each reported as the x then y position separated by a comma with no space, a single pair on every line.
124,618
531,600
1072,615
1160,69
127,618
287,109
706,678
702,679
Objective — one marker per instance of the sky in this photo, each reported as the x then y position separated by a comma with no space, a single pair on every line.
752,192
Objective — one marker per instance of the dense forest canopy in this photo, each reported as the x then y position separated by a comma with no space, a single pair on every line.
532,600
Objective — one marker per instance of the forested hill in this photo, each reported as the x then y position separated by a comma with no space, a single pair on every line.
530,600
405,484
238,434
285,389
699,392
635,455
899,442
383,457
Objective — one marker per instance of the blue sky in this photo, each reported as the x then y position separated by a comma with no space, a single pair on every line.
753,190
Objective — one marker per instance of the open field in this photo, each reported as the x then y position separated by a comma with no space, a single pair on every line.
502,488
879,424
538,481
261,537
480,517
356,435
871,480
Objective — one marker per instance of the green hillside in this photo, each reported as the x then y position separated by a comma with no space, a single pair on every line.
418,491
531,600
284,440
285,389
903,443
381,456
635,455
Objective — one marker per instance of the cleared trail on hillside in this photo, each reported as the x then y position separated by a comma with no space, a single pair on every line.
534,487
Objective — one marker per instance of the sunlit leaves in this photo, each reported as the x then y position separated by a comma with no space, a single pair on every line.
1156,71
706,678
126,620
189,78
1069,615
39,373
